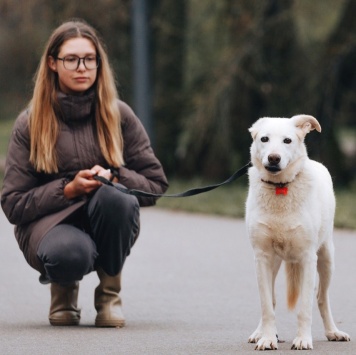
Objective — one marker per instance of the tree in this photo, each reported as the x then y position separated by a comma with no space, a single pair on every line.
246,66
168,20
336,102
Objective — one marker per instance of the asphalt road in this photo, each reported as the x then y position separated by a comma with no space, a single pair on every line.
188,288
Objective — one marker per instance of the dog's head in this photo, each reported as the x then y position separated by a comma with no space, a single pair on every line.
278,143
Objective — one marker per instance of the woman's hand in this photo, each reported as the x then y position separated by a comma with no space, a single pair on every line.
83,183
99,170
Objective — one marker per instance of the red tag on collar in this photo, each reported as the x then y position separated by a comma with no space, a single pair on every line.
281,190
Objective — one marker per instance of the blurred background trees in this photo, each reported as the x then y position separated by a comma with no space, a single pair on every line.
217,66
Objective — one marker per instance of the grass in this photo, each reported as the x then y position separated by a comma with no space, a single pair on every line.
5,131
345,216
225,201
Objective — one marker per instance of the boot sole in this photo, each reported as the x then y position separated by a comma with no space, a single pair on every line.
60,322
103,323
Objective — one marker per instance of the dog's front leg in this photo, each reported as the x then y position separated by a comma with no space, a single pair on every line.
303,340
265,334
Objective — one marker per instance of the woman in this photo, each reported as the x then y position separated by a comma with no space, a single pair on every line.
67,223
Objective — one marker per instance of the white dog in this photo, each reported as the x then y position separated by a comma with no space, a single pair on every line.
289,216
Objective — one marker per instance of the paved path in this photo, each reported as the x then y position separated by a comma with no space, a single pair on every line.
188,288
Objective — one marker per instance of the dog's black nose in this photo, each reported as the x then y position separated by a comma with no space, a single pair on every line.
274,159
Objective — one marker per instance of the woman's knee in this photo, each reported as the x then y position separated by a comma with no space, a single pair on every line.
67,253
108,201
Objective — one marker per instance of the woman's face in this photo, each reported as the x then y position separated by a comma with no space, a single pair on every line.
74,79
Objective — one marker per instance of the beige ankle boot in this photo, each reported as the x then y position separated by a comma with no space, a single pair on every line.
64,310
108,302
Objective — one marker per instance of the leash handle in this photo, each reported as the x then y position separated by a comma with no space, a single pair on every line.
187,193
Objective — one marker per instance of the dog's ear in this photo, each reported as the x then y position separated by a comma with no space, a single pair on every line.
253,131
306,123
254,128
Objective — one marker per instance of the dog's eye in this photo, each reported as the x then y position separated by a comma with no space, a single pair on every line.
287,141
264,139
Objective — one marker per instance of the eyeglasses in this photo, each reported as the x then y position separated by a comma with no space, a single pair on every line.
72,62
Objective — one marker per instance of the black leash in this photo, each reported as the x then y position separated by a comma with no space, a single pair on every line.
191,192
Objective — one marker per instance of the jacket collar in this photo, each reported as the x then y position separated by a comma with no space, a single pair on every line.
74,108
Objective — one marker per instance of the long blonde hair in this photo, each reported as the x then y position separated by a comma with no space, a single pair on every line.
43,124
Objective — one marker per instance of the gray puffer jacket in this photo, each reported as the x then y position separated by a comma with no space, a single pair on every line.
34,202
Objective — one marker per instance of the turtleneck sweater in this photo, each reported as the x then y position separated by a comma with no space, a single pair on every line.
74,108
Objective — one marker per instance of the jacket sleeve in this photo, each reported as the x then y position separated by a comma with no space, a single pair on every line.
23,198
142,170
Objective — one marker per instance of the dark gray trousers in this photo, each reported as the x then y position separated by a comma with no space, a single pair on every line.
100,234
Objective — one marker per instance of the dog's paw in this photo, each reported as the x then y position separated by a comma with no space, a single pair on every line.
302,343
267,343
255,336
338,335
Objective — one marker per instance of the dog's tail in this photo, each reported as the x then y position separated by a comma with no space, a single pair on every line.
293,274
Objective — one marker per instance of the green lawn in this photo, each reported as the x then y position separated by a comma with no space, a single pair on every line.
5,131
225,201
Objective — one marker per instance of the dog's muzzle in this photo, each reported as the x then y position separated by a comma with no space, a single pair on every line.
273,169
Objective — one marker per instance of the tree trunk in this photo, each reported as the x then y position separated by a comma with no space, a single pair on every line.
337,102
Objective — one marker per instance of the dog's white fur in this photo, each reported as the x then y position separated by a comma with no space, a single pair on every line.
296,227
